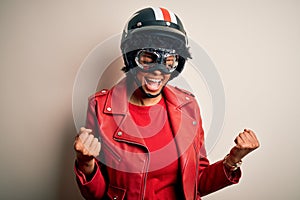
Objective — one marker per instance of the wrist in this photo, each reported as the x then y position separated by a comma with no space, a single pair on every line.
231,163
86,166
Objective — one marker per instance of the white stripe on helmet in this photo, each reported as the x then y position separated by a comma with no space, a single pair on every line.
159,14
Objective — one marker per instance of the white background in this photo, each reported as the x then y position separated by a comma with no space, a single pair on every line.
254,45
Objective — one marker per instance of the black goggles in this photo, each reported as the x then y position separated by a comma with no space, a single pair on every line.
150,59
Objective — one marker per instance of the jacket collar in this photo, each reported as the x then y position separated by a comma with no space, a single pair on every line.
117,99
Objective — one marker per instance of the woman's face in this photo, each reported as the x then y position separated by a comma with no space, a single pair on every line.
152,82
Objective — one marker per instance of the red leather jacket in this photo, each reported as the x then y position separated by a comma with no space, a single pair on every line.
122,172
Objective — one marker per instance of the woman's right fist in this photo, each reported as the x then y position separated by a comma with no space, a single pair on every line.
86,145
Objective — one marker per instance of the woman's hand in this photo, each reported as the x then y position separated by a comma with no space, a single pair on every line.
246,142
87,147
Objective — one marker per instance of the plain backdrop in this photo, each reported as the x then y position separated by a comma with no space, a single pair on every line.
254,44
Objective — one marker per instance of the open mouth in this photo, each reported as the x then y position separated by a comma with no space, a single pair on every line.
153,84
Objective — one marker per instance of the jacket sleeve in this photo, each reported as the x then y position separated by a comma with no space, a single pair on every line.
213,177
93,187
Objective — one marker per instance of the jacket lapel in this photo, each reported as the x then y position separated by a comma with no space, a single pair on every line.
184,126
117,105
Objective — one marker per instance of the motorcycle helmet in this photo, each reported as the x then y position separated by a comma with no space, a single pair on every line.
155,28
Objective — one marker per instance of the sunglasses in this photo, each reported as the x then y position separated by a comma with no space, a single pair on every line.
150,59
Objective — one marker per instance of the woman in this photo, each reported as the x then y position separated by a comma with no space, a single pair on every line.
143,138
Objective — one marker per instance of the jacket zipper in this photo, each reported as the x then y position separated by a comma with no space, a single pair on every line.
113,153
145,174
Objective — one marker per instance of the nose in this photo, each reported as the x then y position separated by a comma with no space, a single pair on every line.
157,72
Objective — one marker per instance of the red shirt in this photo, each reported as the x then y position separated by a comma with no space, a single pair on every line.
153,123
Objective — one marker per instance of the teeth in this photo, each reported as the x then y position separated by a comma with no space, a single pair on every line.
153,84
154,80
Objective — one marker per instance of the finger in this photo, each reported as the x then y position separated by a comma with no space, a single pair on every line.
247,130
88,130
83,136
253,135
245,136
240,136
78,145
243,140
95,147
249,140
98,149
88,141
83,129
237,140
93,144
254,141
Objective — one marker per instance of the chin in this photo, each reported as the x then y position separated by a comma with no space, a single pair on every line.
153,93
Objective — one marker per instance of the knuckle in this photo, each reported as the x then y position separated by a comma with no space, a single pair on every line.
82,135
76,147
256,145
84,152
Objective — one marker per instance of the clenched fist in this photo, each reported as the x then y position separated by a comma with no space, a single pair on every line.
246,142
87,147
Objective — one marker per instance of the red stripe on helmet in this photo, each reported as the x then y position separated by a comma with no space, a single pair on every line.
166,14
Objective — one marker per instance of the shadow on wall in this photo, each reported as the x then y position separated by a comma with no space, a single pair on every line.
67,186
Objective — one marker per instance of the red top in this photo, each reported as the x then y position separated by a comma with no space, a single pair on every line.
155,129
